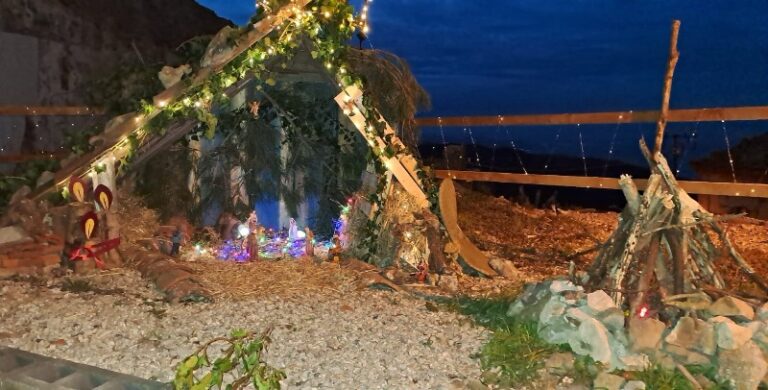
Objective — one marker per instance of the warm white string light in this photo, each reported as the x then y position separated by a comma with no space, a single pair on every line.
583,155
514,146
613,143
728,148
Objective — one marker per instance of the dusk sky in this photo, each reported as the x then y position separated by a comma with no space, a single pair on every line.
534,56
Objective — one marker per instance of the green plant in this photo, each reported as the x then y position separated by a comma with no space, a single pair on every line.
515,348
240,364
517,351
657,377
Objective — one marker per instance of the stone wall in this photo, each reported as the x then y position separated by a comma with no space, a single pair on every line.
49,50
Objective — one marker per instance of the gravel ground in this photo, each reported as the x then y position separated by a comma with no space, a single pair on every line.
364,340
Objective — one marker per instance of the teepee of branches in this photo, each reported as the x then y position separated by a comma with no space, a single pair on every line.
662,243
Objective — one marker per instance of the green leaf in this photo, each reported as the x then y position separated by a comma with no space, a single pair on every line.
204,383
271,82
191,362
239,333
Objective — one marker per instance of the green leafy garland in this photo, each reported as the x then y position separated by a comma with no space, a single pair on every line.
328,24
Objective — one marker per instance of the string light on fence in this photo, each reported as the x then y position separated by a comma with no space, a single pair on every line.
583,155
613,143
728,148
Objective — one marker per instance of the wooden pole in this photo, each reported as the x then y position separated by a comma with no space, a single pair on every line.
667,90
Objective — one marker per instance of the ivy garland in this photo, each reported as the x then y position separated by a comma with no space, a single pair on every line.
329,24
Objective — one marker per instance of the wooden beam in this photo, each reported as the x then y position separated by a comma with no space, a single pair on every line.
22,110
715,114
350,101
750,190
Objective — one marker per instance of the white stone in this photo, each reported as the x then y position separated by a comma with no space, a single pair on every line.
732,307
608,381
599,301
645,334
730,335
745,367
559,286
593,341
554,308
693,334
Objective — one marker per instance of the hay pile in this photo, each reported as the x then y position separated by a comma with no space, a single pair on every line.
137,222
284,278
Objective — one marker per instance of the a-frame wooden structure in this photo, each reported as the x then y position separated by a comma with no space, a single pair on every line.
114,138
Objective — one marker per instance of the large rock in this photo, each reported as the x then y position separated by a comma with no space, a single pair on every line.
645,334
599,301
593,338
732,307
744,367
693,334
608,381
729,334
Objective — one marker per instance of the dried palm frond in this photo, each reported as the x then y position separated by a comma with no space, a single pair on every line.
392,88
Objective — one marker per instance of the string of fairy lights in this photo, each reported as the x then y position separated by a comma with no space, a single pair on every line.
581,150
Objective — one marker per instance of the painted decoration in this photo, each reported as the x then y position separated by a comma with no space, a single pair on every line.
103,196
77,188
89,222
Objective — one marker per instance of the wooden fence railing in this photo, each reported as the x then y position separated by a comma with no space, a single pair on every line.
752,190
751,113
